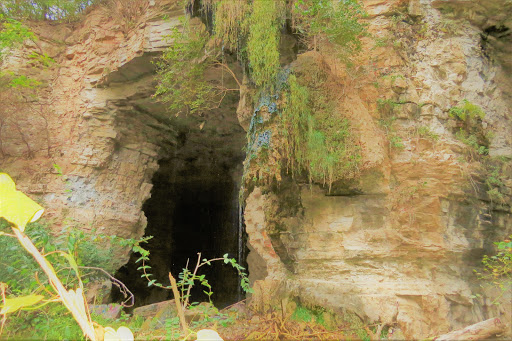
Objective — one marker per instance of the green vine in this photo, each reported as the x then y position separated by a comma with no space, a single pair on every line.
187,278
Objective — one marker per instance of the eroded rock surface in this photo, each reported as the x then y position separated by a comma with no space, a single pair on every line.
400,249
98,124
402,252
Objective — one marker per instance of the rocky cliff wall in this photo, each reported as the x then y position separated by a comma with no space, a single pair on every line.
96,121
400,249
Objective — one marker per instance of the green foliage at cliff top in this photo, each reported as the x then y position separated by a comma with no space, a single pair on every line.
335,21
12,33
44,9
252,29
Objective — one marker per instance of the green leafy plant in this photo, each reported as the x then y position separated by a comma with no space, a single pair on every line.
305,314
497,269
467,111
42,59
469,128
18,209
181,72
335,21
48,322
396,141
172,328
188,278
23,82
12,33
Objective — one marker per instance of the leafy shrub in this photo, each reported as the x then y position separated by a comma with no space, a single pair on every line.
467,111
17,266
181,72
54,322
50,322
497,269
469,124
12,33
336,21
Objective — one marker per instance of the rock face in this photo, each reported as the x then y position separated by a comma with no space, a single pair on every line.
98,124
402,252
400,249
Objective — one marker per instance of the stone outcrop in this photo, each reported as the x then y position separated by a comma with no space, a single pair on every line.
97,123
399,250
402,252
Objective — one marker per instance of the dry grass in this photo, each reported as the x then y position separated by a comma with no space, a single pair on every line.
126,13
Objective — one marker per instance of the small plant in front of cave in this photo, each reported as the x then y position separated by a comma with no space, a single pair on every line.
187,280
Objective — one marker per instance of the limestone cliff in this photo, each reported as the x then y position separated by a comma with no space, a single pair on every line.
396,245
401,247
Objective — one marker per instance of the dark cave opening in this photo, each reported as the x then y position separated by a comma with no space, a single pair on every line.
194,208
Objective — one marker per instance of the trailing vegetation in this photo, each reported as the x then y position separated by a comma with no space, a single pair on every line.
231,24
318,139
263,43
251,29
181,71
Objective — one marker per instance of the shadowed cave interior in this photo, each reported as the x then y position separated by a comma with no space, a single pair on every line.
194,208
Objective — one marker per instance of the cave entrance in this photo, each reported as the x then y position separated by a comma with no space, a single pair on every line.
194,208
